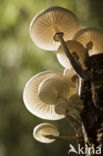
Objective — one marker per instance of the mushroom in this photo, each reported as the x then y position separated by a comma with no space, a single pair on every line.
50,21
48,28
73,105
48,133
70,112
75,99
73,80
71,77
31,98
73,102
92,34
63,107
53,90
76,49
43,130
77,68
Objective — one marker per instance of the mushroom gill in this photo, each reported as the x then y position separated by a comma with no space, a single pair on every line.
47,23
92,34
31,98
77,51
51,90
43,130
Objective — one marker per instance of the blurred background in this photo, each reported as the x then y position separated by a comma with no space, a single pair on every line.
20,59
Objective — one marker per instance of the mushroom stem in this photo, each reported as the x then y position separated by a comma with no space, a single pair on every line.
79,88
83,74
68,101
75,123
89,46
66,138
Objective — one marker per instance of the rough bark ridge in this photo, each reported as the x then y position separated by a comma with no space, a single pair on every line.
92,97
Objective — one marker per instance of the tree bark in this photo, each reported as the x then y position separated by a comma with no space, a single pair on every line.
92,97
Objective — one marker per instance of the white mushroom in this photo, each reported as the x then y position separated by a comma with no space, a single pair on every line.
50,21
92,34
49,27
48,133
71,77
76,49
32,100
74,62
72,106
63,107
70,112
52,89
76,100
43,130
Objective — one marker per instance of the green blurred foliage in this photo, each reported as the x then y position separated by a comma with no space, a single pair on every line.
20,59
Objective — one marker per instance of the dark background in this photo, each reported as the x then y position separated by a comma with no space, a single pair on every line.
20,59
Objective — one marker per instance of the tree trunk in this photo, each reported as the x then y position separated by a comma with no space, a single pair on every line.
92,97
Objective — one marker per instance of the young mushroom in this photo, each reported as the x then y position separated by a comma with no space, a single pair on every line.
31,98
85,35
71,78
70,114
63,107
76,100
71,110
48,133
53,90
47,23
73,106
43,130
76,49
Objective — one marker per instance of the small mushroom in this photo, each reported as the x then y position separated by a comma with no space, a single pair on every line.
52,89
63,107
76,100
85,75
76,49
50,21
73,106
70,112
48,133
43,130
31,98
71,77
92,34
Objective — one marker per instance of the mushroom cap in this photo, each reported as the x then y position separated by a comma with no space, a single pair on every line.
88,34
62,107
50,88
42,130
71,77
77,51
51,20
32,100
76,100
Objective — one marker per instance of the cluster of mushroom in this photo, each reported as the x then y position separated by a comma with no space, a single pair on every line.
54,95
